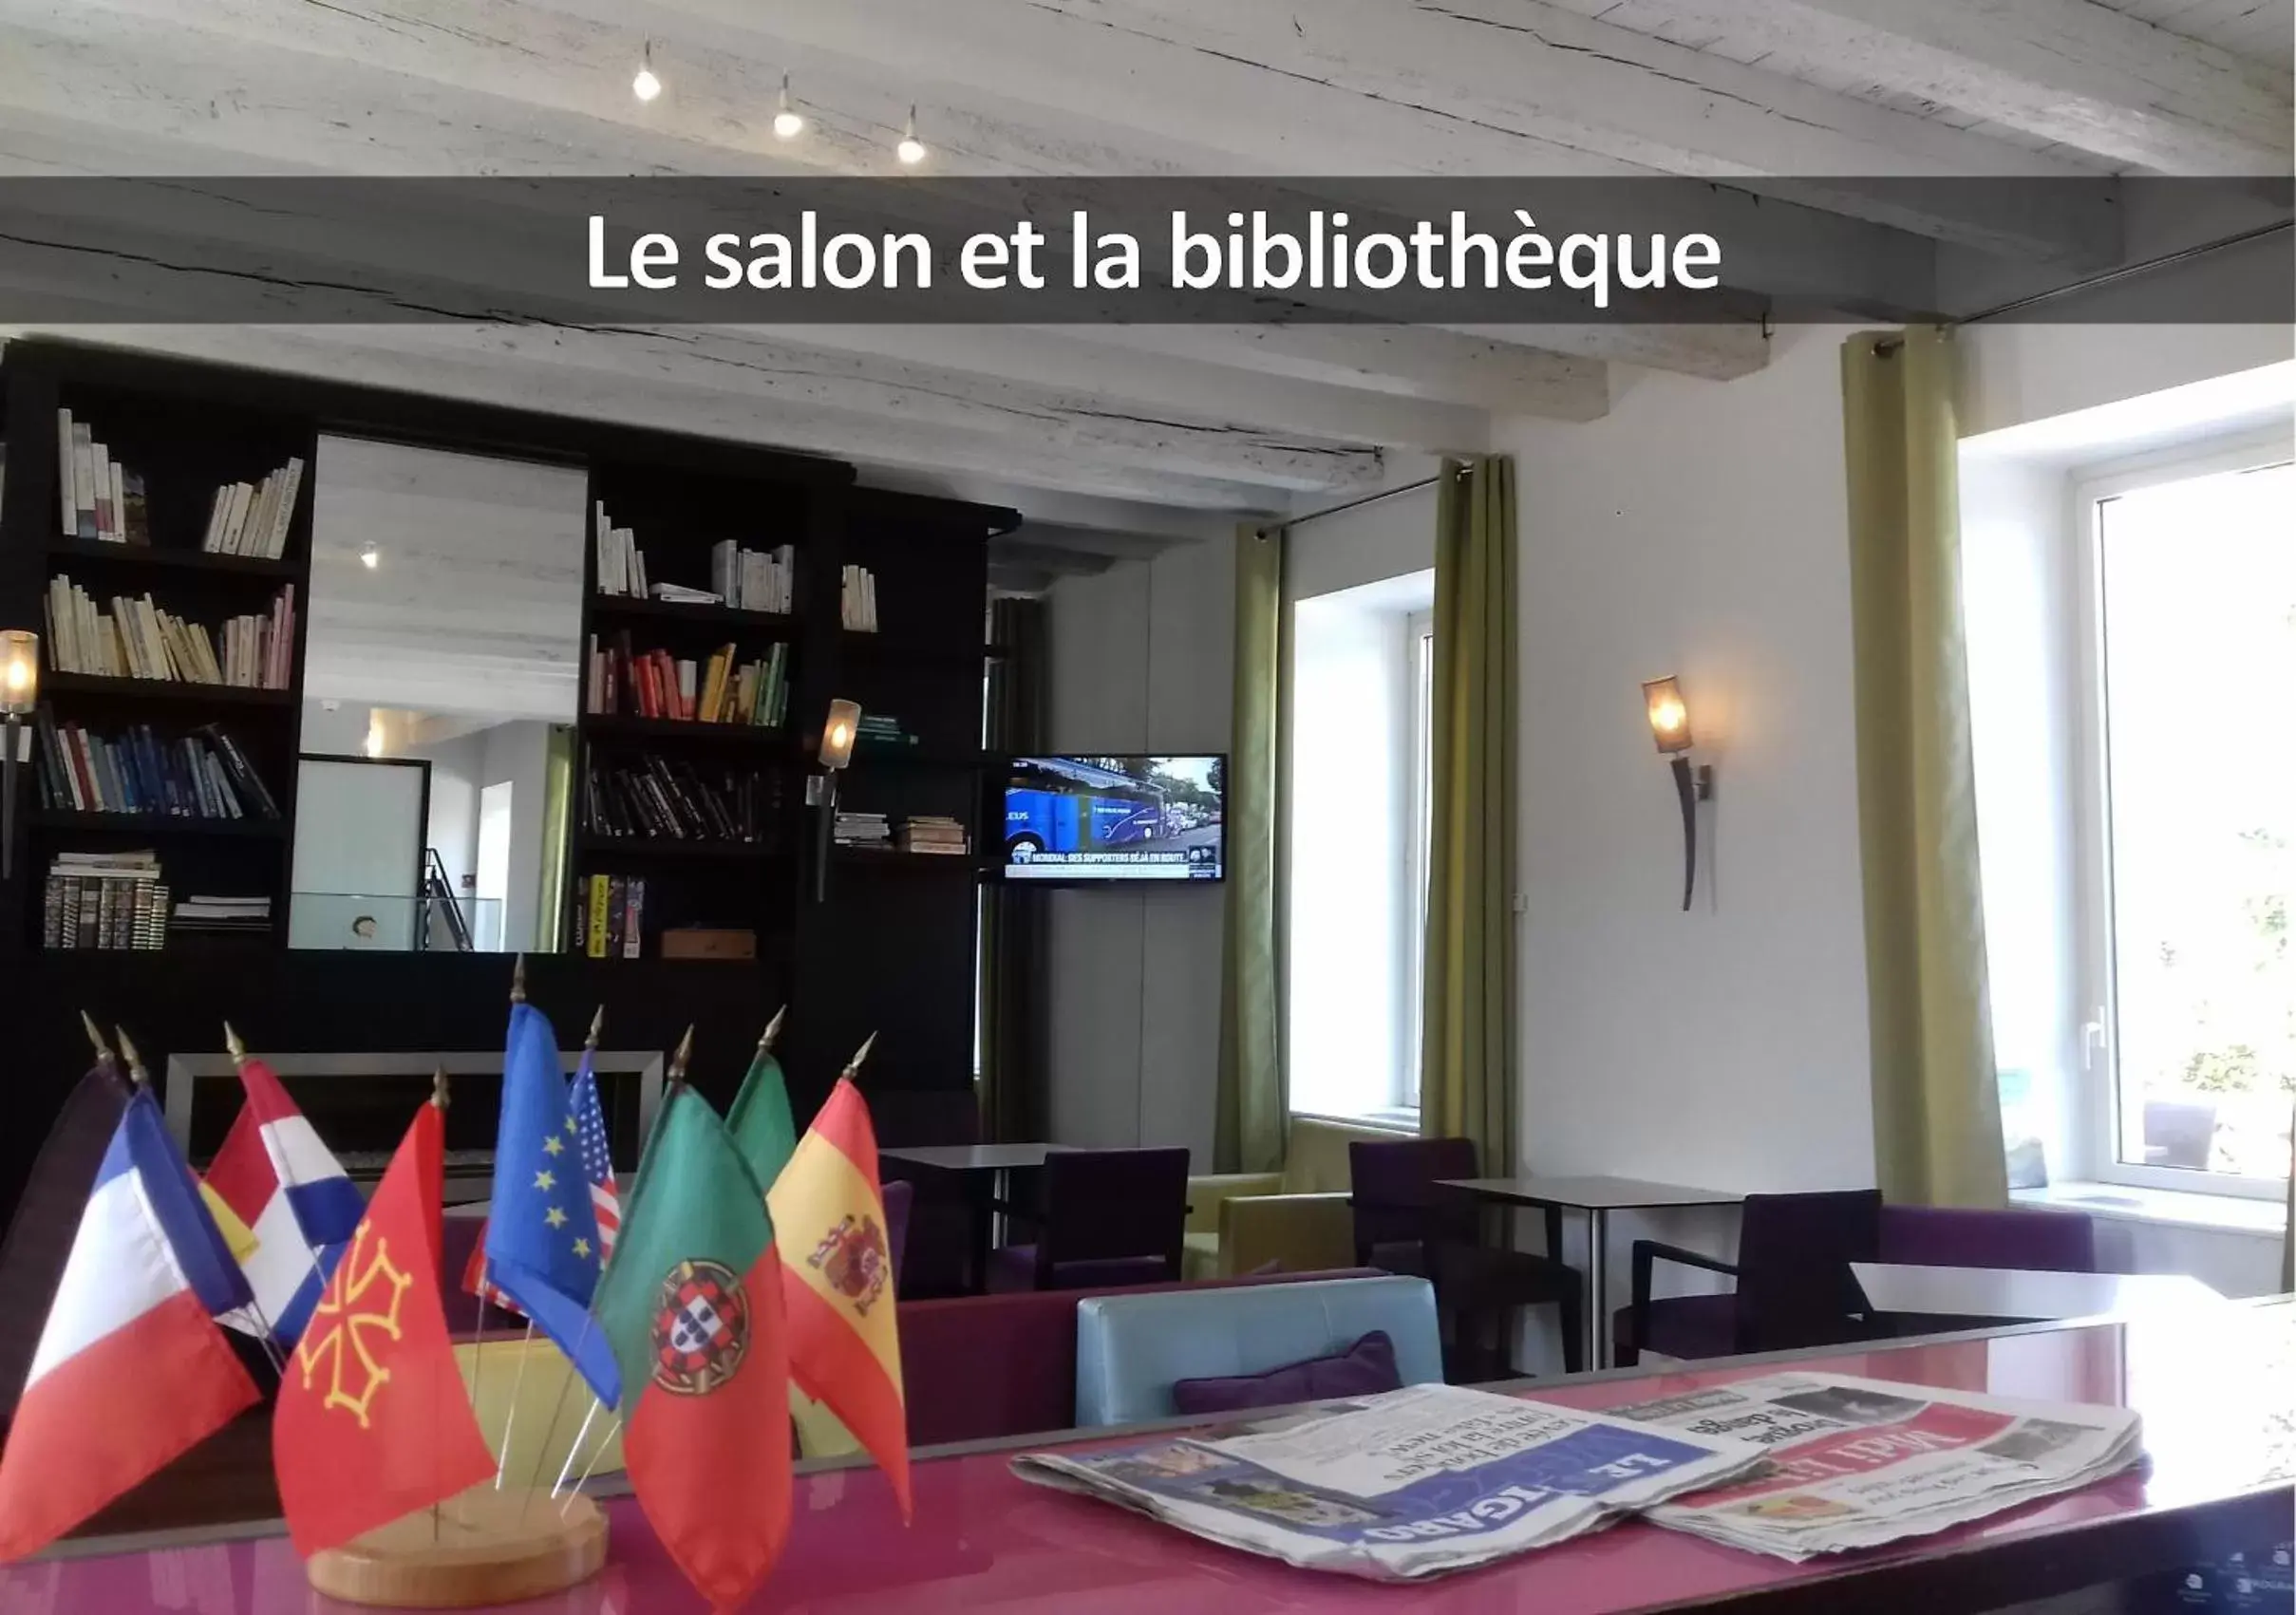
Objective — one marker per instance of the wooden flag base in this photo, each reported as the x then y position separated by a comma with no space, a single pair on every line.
485,1546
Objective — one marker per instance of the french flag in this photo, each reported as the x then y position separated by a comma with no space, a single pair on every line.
131,1371
283,1183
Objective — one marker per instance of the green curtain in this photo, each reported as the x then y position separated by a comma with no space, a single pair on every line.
1015,1088
1467,1051
1254,1106
553,916
1936,1098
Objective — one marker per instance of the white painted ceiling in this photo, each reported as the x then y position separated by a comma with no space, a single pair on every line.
1112,438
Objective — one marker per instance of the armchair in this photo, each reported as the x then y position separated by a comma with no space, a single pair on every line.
1794,1285
1298,1219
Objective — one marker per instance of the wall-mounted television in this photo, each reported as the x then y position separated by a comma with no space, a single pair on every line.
1105,818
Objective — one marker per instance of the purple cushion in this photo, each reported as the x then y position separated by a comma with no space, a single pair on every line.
1362,1369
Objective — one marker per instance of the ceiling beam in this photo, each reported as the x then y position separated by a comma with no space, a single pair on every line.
2068,70
1404,360
378,357
1050,559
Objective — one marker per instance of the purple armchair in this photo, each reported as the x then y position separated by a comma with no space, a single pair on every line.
1107,1217
2035,1238
1406,1223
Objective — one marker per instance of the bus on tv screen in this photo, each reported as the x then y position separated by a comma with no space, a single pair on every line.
1094,818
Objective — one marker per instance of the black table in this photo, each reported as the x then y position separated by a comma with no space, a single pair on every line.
987,1169
1597,1197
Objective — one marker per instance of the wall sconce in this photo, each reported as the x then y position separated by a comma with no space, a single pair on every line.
838,733
1669,718
19,694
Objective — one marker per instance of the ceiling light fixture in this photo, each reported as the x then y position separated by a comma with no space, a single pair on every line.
646,87
787,121
911,150
370,557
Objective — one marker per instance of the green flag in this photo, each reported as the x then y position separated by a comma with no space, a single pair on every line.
692,1306
760,1123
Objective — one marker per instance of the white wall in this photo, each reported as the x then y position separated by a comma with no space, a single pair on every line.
1699,530
454,767
519,753
1141,659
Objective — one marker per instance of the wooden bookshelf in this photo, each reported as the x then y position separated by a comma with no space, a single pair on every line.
146,558
630,608
160,824
52,685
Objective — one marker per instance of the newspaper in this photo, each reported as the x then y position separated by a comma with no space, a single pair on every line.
1855,1462
1404,1484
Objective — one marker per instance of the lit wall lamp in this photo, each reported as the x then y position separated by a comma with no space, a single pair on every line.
19,694
1670,727
838,732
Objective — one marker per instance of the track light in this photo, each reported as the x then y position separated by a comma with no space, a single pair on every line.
787,121
911,150
370,557
646,87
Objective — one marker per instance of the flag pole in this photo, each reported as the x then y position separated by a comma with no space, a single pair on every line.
773,1030
437,1100
853,1066
237,1051
517,1378
583,1479
95,1035
142,1079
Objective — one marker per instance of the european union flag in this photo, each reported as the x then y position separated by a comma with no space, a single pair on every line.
542,1244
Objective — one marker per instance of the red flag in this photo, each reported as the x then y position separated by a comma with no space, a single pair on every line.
836,1281
373,1421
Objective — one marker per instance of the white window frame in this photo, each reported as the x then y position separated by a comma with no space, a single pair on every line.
1419,784
2096,1101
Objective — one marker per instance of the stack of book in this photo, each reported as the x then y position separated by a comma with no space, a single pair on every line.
610,917
201,774
857,608
99,498
868,830
650,796
754,580
678,594
933,833
621,565
252,519
221,916
137,640
720,689
107,900
877,731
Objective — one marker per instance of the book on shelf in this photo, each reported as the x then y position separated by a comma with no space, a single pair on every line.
609,916
99,498
935,834
621,564
138,640
854,829
252,519
201,774
103,900
857,600
722,688
754,580
678,594
651,797
881,729
222,914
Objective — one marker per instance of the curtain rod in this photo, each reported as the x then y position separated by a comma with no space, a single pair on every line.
1359,504
2106,277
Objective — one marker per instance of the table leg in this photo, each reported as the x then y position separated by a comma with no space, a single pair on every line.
1596,1301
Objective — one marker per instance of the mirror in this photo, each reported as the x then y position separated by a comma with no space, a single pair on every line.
442,680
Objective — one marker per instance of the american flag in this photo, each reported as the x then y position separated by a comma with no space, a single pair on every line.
598,1166
598,1158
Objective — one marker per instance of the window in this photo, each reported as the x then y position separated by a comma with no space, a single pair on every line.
1418,639
2189,803
1356,819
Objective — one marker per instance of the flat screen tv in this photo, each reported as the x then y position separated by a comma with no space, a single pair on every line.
1077,819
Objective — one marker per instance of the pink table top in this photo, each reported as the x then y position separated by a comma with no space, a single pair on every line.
2217,1396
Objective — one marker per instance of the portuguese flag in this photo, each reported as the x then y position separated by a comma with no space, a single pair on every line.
692,1306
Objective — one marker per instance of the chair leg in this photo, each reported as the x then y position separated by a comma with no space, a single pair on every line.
1574,1335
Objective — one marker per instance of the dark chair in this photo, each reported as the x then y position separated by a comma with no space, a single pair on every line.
938,1258
899,1198
1794,1287
1405,1222
2035,1238
1106,1217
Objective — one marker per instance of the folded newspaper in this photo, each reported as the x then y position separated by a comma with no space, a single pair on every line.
1437,1479
1855,1462
1408,1483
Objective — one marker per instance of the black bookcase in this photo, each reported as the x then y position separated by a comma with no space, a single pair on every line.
881,941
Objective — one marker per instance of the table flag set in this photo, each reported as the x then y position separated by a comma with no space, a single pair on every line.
696,1335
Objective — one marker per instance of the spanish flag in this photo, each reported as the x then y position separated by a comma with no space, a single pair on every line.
836,1281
